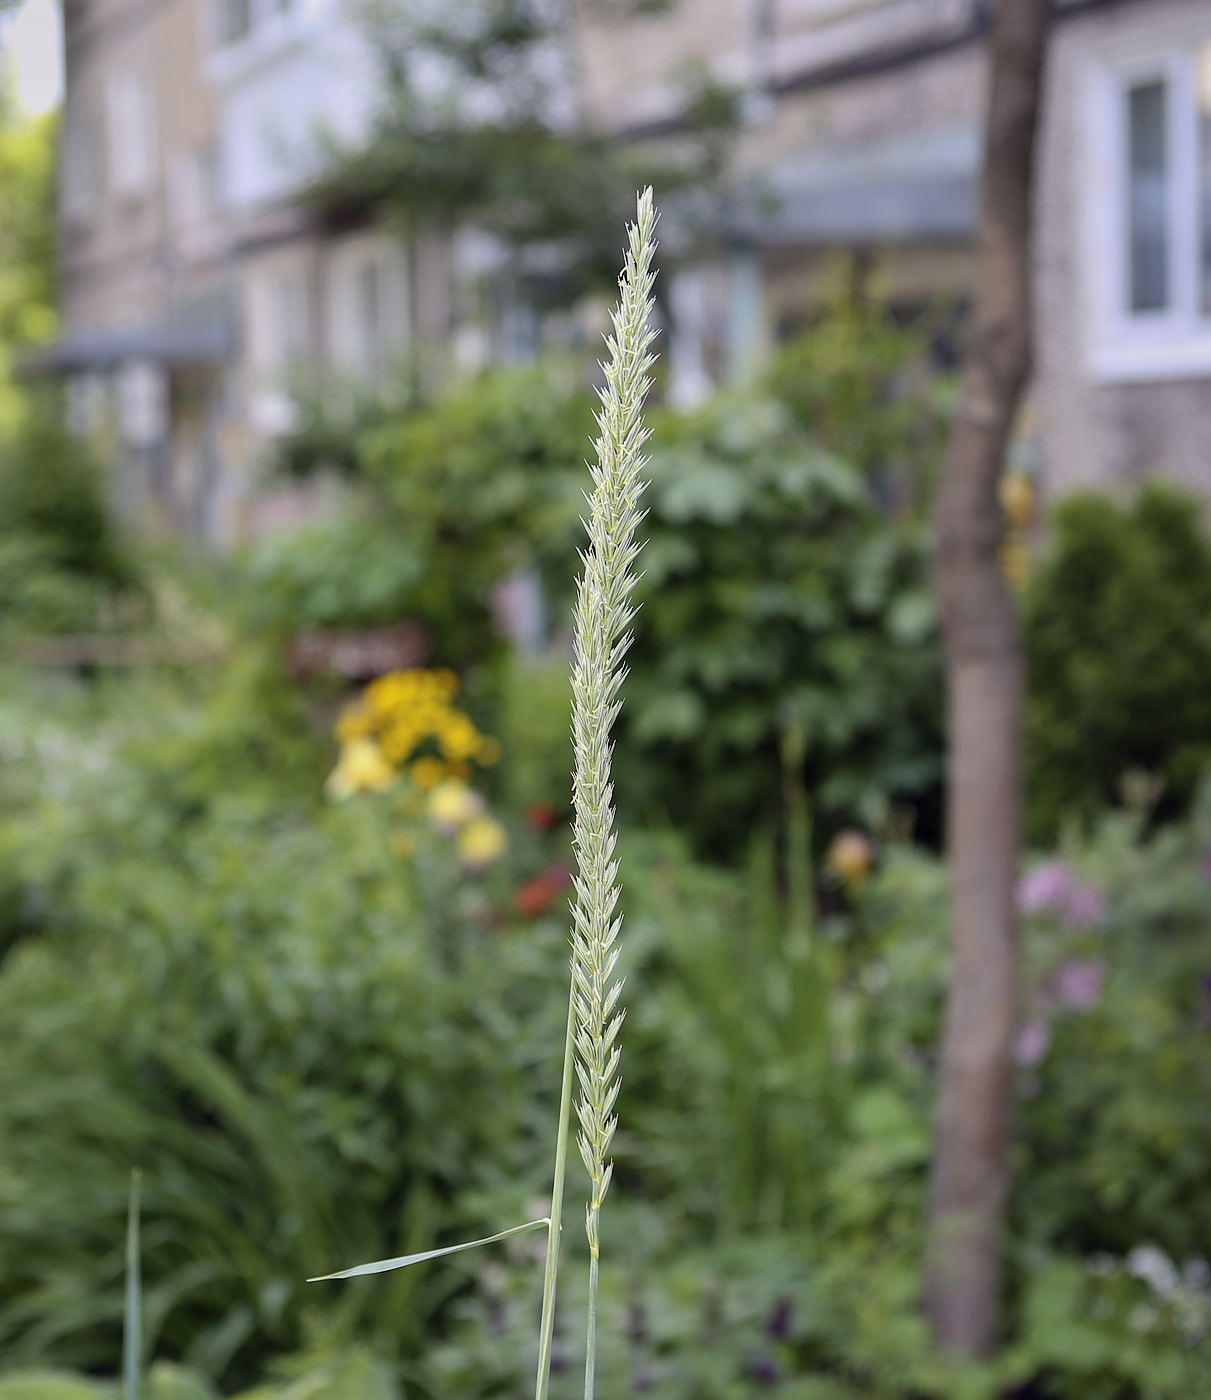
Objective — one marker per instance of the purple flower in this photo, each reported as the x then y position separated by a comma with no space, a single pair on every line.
1046,888
1051,888
642,1380
1079,983
764,1368
779,1321
1033,1042
1086,906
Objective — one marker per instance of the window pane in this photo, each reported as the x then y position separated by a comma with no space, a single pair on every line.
1204,175
237,19
1148,214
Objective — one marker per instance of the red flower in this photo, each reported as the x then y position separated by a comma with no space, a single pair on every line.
535,896
542,816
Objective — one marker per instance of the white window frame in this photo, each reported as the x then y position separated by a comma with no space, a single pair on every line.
1122,346
131,134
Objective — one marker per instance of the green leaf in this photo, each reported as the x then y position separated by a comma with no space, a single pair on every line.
383,1266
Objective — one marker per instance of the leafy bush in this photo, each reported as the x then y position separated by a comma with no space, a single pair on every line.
321,1052
62,564
1119,638
457,495
860,382
274,1016
775,591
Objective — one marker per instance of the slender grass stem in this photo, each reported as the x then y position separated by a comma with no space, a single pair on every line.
132,1321
590,1358
550,1277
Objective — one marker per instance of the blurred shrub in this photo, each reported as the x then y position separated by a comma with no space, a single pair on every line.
1119,637
457,495
774,590
860,380
775,587
536,733
307,1043
321,1052
720,1284
62,563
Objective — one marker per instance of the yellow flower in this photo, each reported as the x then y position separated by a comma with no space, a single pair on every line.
1015,563
1017,499
851,855
354,723
427,773
481,842
459,738
452,804
361,767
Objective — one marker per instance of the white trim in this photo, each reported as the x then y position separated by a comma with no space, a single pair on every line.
1174,343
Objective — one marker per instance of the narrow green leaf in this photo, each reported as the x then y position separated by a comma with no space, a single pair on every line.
383,1266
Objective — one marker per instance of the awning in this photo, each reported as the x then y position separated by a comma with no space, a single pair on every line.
183,341
915,189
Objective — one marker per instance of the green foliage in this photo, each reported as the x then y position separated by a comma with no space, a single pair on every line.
458,494
273,1017
535,730
478,125
774,588
320,1053
63,567
773,584
27,242
859,381
1119,640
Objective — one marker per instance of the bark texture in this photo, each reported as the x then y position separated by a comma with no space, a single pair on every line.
985,671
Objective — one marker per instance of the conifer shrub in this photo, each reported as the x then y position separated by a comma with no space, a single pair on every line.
1118,630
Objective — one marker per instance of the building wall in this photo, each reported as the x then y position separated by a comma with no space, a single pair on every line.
138,128
1095,429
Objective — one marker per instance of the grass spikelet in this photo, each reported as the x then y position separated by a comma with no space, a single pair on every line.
603,613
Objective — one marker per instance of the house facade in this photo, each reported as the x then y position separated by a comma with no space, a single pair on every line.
198,287
862,132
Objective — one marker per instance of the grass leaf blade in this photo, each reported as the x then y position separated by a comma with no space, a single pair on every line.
384,1266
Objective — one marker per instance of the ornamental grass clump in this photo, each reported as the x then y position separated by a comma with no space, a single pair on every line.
603,613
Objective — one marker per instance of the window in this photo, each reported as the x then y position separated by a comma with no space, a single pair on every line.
78,172
370,321
1148,218
238,19
130,135
292,324
1147,181
1204,174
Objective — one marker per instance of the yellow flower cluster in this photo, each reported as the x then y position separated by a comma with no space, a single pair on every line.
381,735
455,810
404,711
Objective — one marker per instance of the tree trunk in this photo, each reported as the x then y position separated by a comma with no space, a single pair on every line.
985,672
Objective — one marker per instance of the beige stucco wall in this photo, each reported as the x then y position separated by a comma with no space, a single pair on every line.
1090,434
121,262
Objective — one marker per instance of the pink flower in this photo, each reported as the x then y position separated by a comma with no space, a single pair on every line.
1086,906
1079,983
1045,889
1033,1042
1051,888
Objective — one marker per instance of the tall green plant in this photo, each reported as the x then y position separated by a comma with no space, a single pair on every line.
603,613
